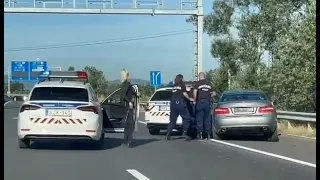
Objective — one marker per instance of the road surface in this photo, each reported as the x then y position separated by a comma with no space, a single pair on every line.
152,158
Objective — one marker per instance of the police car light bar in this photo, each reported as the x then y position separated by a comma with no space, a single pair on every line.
79,75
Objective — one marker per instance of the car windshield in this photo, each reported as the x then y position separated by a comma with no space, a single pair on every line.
59,94
243,97
162,96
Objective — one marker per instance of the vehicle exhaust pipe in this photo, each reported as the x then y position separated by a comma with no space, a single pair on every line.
264,128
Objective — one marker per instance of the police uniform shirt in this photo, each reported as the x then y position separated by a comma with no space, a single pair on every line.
204,90
177,92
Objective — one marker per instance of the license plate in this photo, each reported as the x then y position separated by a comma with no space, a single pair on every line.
59,112
243,110
164,108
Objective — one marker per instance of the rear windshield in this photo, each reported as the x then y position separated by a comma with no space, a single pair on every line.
162,96
243,97
59,94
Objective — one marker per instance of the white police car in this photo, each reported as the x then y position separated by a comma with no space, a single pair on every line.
60,107
157,114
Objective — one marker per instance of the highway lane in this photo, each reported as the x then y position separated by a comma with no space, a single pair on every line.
152,156
303,149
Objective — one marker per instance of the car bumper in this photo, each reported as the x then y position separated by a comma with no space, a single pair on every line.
162,125
34,131
260,124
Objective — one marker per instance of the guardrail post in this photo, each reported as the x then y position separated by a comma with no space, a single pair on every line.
289,125
310,128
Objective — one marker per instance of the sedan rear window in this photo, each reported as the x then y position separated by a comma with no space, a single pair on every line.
59,94
162,96
243,97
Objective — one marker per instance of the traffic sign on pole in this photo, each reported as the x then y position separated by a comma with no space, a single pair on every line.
27,70
35,69
155,78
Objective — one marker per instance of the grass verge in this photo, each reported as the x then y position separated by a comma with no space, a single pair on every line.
297,128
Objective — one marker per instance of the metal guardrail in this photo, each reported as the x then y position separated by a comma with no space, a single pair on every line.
15,95
285,115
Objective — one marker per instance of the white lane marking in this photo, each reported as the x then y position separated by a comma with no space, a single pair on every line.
15,118
7,102
137,174
266,153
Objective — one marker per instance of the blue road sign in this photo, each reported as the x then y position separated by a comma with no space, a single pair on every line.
27,70
155,79
35,69
20,71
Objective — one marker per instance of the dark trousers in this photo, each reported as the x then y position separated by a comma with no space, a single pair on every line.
203,116
129,127
178,107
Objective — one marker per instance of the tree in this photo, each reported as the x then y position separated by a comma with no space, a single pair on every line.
97,80
146,92
71,68
15,87
283,29
294,71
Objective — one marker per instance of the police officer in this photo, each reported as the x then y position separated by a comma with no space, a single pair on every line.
202,94
178,107
127,93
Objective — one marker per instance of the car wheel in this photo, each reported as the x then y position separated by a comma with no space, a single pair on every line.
154,131
192,133
24,143
274,137
180,132
217,136
99,144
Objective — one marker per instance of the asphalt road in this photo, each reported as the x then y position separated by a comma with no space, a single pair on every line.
152,158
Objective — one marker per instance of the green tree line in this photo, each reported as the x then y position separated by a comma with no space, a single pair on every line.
274,49
103,87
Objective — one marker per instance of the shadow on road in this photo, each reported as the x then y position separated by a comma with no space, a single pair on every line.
246,138
109,143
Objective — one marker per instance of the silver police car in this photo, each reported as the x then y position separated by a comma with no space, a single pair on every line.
245,112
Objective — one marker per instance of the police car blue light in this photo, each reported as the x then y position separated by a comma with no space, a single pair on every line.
44,74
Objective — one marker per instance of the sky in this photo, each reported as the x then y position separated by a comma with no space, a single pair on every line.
170,55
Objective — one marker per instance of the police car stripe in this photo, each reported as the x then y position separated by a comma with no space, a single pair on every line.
57,121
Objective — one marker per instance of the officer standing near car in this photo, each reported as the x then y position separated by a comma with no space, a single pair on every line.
127,93
178,106
202,94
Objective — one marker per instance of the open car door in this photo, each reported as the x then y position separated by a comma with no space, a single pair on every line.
115,112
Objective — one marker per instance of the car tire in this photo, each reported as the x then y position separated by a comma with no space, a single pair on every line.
180,132
99,144
217,136
24,143
154,131
274,137
192,133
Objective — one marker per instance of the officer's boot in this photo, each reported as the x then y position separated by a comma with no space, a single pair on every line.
185,134
208,136
168,136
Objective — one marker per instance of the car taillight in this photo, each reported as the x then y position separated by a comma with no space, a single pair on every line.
266,110
28,107
222,111
89,109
